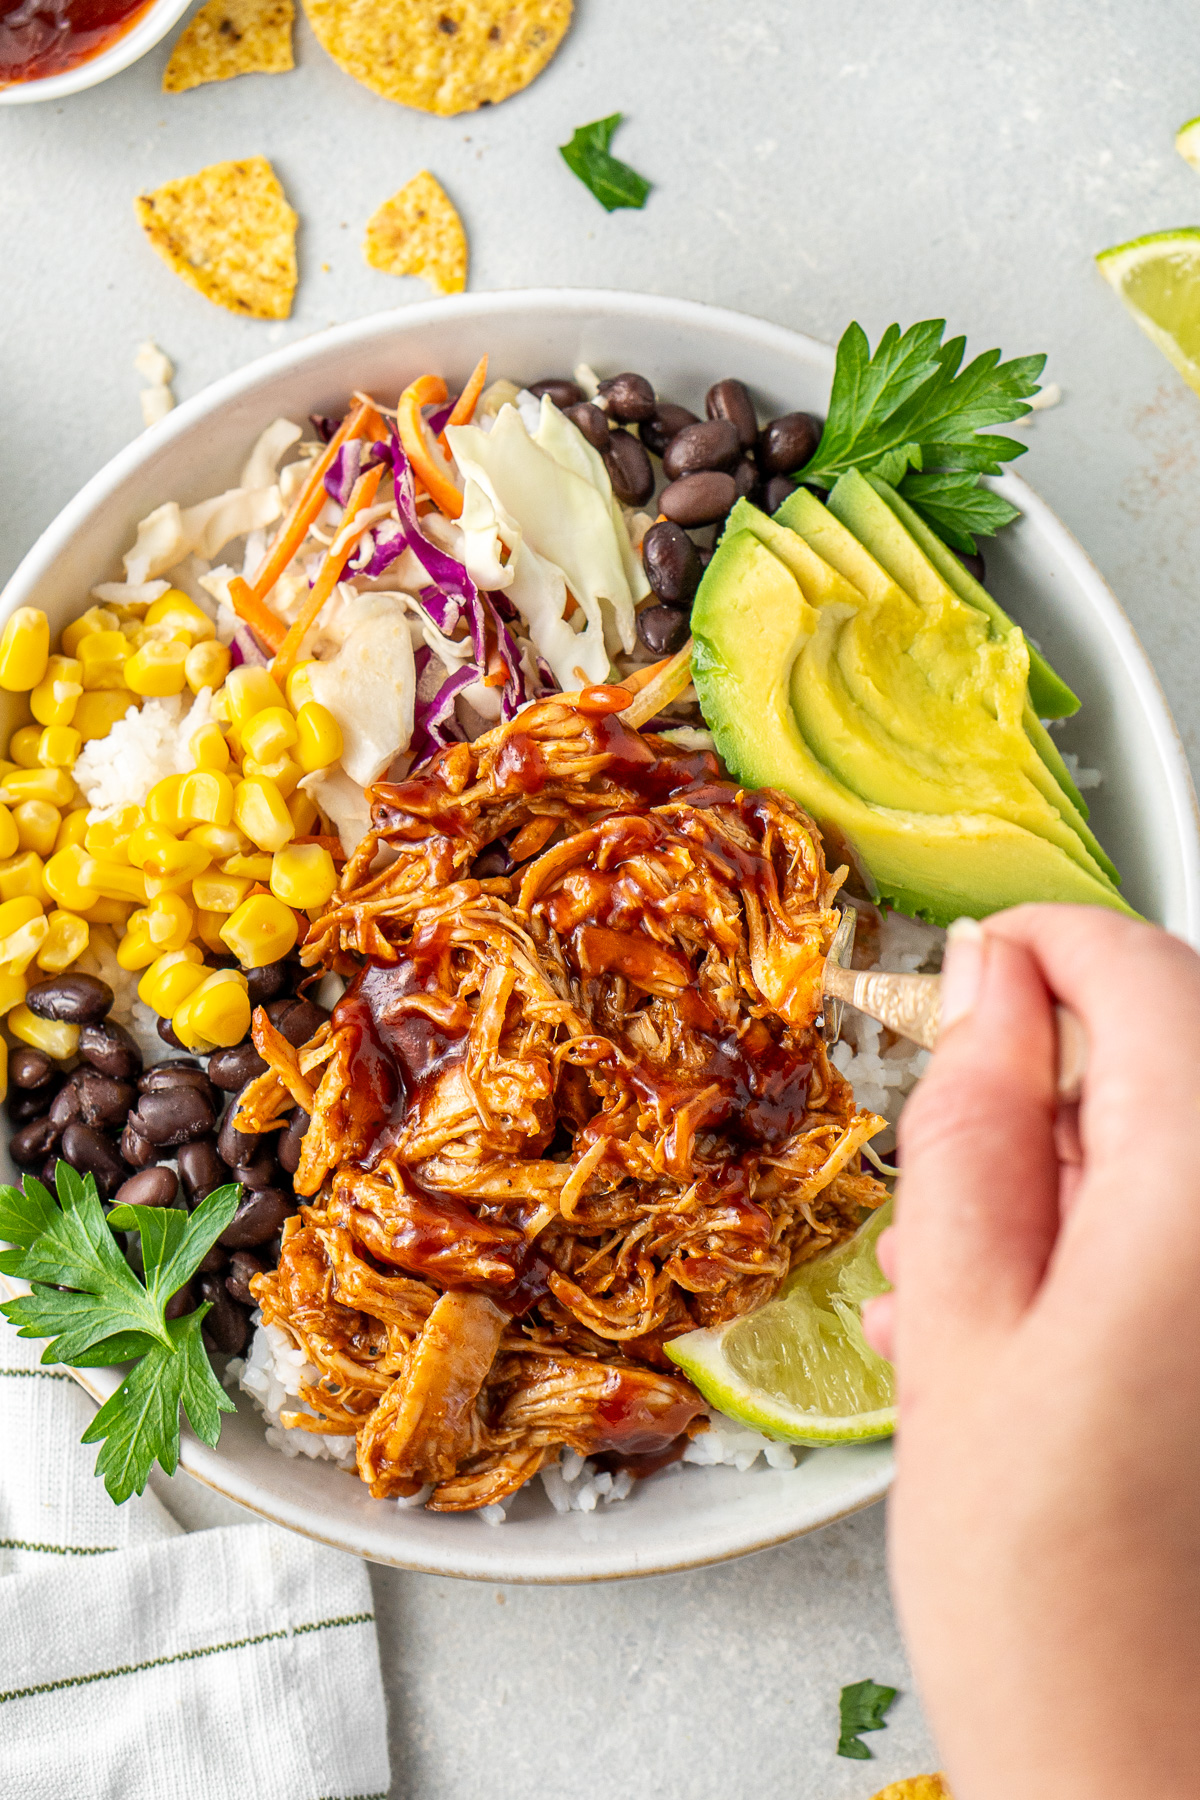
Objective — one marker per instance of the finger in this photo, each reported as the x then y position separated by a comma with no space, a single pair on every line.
885,1253
977,1203
878,1323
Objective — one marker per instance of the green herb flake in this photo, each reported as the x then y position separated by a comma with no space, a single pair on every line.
911,414
96,1312
863,1706
613,183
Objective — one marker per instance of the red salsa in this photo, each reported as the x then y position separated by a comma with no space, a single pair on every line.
48,37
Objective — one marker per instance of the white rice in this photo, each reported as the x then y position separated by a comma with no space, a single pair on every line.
140,749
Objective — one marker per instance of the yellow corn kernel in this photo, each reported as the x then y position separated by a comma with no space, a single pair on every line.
208,930
220,706
205,798
58,747
18,912
66,938
8,833
54,785
96,618
54,1036
282,770
220,841
215,892
97,712
13,989
37,825
259,811
22,875
261,931
109,912
249,691
303,876
255,867
24,649
299,690
171,978
20,947
269,733
73,829
103,655
303,813
109,838
23,746
181,614
64,879
216,1014
113,880
162,803
157,669
56,695
206,665
160,853
136,949
319,737
209,748
170,921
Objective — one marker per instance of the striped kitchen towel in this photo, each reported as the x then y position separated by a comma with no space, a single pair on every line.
139,1660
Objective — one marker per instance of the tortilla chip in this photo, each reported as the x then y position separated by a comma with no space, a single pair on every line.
418,232
443,56
231,37
229,231
917,1787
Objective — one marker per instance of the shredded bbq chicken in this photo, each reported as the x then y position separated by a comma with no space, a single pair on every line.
572,1104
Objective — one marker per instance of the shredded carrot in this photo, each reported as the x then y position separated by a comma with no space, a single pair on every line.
467,401
310,500
332,844
361,495
427,391
670,679
637,679
262,621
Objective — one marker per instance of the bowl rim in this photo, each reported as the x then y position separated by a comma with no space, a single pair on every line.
132,44
205,1464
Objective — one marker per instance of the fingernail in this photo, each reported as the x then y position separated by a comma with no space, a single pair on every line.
962,970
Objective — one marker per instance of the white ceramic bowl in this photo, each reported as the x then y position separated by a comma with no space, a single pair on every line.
1145,814
153,25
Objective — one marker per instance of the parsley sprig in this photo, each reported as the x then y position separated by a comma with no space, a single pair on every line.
863,1706
613,182
914,416
92,1306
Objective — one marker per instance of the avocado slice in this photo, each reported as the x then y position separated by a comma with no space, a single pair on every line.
750,624
847,550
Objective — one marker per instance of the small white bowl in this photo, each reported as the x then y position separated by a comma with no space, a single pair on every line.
1145,814
153,25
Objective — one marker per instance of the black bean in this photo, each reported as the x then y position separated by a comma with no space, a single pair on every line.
31,1103
227,1326
698,499
103,1101
974,565
260,1215
201,1169
232,1069
111,1049
173,1071
777,490
79,999
592,422
628,397
29,1068
213,1261
183,1300
261,1171
168,1036
29,1146
243,1264
712,444
745,478
563,393
731,400
89,1151
271,1251
663,629
238,1148
137,1150
662,425
493,861
269,982
628,468
671,563
296,1020
149,1187
175,1115
291,1139
788,442
49,1173
706,557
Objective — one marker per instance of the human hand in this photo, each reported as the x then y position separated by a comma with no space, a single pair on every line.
1045,1326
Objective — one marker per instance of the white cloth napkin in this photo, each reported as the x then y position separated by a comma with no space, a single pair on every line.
138,1660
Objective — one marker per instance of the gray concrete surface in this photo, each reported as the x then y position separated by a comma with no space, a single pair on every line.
814,160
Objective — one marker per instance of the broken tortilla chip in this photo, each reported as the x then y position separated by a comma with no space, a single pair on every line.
443,56
917,1787
418,232
230,232
231,37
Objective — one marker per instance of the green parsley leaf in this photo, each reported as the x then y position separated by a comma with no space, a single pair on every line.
613,183
911,414
87,1301
863,1706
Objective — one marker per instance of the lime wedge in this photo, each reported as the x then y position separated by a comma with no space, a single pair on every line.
1187,142
1158,278
800,1368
